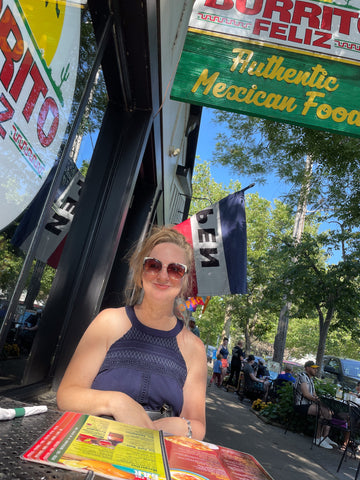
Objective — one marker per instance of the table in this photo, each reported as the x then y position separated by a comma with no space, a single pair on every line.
16,436
335,404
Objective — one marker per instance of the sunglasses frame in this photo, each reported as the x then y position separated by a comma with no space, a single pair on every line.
167,265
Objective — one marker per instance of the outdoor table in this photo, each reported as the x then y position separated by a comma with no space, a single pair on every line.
336,405
17,436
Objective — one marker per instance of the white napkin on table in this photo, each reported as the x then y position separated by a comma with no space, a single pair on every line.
9,413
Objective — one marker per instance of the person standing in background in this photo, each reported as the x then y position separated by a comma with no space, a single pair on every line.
223,350
237,358
217,370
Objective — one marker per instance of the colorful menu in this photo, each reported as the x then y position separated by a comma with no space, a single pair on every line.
115,450
190,459
110,449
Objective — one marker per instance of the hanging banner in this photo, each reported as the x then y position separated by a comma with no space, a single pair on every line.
292,61
39,42
57,227
219,240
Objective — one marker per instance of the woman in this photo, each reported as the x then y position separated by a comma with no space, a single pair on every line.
141,357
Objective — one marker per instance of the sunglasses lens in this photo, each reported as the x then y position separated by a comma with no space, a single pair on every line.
176,270
151,265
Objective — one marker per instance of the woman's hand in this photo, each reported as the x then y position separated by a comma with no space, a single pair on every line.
126,410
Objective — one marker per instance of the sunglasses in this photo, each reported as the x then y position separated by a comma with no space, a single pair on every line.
176,271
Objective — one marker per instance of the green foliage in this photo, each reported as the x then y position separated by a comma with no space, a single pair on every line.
11,260
251,315
84,168
211,322
45,284
282,411
98,99
10,264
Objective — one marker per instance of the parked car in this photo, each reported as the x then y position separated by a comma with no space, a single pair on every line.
343,371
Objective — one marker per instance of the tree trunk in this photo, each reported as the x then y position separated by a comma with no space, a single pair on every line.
247,341
280,338
324,325
227,323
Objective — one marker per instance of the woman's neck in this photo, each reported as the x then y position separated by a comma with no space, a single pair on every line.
156,316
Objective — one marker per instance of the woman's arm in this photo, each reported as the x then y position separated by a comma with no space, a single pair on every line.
194,393
75,393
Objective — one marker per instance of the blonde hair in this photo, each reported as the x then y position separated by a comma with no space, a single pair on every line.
157,236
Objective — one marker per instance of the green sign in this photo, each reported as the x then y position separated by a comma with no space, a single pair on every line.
268,82
295,61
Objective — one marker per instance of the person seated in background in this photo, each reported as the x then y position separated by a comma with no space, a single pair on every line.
140,364
308,403
251,381
286,376
262,370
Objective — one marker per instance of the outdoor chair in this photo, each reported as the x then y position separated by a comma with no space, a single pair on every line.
341,415
306,418
354,439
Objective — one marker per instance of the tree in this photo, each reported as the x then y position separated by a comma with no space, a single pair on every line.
10,265
315,287
266,145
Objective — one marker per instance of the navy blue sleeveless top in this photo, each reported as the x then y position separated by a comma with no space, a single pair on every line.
147,365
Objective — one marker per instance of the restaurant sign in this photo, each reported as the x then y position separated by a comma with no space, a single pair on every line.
39,49
292,61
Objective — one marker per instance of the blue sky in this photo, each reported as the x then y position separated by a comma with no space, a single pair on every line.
205,148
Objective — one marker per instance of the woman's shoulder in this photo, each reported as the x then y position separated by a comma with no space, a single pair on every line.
191,343
110,314
112,321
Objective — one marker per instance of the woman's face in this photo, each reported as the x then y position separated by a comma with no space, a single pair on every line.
165,283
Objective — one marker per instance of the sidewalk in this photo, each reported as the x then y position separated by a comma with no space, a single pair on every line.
289,456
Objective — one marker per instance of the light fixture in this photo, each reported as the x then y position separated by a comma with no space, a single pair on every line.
174,152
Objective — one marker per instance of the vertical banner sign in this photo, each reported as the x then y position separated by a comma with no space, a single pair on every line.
58,225
39,49
294,61
218,237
